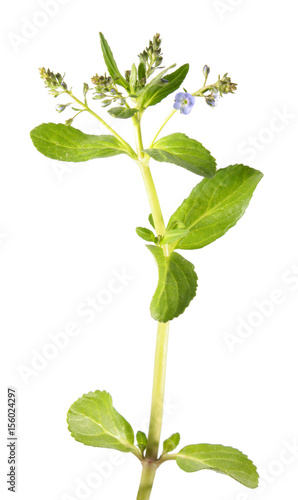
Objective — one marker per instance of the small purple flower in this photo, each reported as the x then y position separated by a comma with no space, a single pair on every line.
212,99
185,102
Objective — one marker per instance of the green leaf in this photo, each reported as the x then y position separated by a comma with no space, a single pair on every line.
171,443
219,458
133,78
93,421
185,152
66,143
177,285
215,205
157,80
142,441
145,234
120,112
173,235
111,63
154,94
142,70
150,218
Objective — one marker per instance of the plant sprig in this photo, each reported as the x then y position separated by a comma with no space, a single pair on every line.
213,207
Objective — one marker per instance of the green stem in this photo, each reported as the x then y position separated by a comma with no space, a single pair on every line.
143,163
147,479
198,93
162,126
120,139
150,461
158,390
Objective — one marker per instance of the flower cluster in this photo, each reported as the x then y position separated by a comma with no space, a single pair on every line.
151,57
54,82
212,98
225,85
106,91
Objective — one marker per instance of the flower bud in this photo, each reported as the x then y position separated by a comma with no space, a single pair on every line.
61,107
206,71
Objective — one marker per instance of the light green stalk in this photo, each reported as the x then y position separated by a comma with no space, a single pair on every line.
150,461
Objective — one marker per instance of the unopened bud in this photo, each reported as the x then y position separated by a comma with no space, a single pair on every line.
206,71
85,88
61,107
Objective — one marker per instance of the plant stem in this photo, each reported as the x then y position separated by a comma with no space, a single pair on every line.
129,149
150,461
198,93
162,126
158,391
147,479
149,183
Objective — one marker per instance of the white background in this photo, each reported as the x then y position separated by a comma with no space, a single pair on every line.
64,233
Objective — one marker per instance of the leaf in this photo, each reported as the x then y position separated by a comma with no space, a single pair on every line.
133,78
157,80
111,63
142,441
219,458
120,112
142,70
185,152
150,218
171,443
145,234
173,235
177,285
66,143
93,421
154,94
215,205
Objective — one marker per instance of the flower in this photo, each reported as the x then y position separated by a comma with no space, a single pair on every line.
185,102
212,99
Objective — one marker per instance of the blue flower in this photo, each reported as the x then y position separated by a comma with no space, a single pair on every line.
185,102
212,99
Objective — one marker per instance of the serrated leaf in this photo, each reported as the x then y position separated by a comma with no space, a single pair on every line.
66,143
215,205
177,285
145,234
111,63
185,152
154,94
121,112
171,443
93,421
219,458
142,441
173,235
